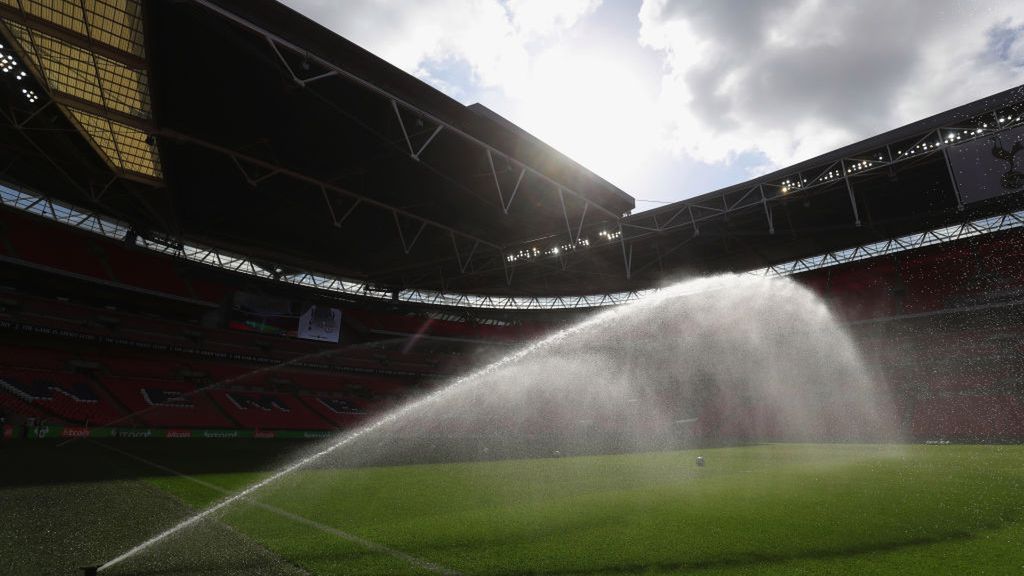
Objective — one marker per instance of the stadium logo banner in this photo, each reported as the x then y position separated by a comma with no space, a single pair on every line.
136,433
222,434
989,167
74,432
320,323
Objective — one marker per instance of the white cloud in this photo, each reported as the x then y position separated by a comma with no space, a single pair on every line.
690,94
489,36
796,78
584,96
545,18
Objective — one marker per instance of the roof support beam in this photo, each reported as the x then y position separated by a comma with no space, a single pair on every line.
56,165
458,257
430,139
661,255
22,123
738,202
323,185
280,42
72,37
295,77
573,238
401,124
337,222
510,269
853,199
415,153
497,183
952,180
627,257
767,210
831,172
407,245
253,181
102,112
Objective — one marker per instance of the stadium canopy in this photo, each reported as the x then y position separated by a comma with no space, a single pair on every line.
240,131
245,126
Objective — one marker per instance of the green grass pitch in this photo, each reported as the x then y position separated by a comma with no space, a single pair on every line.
768,509
764,509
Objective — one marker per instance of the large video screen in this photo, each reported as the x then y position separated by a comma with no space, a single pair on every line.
283,317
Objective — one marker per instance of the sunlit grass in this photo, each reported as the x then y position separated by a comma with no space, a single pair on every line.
766,509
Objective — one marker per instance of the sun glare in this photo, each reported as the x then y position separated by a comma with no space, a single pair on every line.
593,107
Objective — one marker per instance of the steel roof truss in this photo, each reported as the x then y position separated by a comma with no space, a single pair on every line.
463,265
278,43
505,205
573,238
335,220
407,245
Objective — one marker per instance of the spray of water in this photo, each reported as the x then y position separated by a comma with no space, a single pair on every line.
723,359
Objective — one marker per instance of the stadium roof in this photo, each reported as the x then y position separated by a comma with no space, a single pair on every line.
887,186
253,128
245,128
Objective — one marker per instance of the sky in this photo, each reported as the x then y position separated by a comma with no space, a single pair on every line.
668,99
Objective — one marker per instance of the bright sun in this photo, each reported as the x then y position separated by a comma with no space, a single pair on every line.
592,107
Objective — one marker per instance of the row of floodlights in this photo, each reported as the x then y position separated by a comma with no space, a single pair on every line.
952,136
570,247
863,165
955,135
788,184
580,244
8,65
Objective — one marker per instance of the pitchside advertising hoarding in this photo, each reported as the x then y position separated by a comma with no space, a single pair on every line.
44,432
989,167
283,317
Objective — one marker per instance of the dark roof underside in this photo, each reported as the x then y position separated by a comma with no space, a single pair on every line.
281,141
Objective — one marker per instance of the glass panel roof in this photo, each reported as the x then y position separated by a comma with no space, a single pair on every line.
75,71
122,146
116,23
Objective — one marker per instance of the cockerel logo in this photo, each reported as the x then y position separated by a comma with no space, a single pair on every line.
1012,179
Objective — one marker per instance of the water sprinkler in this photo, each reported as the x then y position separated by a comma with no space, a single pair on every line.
89,570
700,461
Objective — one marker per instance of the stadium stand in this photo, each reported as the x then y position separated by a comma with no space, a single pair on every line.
976,271
394,324
268,410
71,397
969,391
166,403
101,330
81,361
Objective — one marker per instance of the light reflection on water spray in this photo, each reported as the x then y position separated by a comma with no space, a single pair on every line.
640,371
345,439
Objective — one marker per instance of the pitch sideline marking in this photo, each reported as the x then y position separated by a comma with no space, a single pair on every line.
347,536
